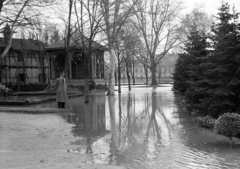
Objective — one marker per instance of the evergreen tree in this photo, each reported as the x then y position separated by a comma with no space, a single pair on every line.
197,49
222,70
180,75
187,71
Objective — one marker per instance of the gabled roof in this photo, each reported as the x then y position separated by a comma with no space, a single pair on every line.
76,42
24,44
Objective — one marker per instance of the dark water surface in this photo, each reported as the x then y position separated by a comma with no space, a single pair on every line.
147,128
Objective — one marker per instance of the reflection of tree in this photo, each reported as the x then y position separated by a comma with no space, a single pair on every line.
113,144
153,122
137,129
89,119
120,119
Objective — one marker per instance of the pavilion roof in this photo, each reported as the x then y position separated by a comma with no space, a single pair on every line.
76,42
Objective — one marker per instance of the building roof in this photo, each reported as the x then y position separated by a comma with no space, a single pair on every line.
24,44
76,42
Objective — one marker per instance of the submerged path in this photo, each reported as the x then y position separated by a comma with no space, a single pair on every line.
145,128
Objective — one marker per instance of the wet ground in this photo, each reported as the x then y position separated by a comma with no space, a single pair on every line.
145,128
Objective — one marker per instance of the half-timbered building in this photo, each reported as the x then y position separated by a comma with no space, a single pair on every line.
24,63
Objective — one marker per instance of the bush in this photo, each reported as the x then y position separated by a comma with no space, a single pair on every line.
5,91
206,122
228,125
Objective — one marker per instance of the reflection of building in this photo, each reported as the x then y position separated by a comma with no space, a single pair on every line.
89,119
24,63
78,62
164,70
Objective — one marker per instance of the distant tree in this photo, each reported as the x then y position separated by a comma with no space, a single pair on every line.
55,35
143,57
156,21
115,13
130,39
121,57
196,18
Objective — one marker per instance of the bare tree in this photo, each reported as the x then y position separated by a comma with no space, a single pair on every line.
157,22
198,18
67,55
88,23
130,39
119,49
19,13
143,58
115,13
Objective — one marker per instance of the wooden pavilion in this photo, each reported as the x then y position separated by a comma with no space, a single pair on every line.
76,62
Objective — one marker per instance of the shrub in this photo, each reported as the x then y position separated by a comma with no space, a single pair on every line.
206,122
228,125
27,87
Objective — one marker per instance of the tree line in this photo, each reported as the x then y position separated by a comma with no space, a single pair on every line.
152,22
208,71
132,30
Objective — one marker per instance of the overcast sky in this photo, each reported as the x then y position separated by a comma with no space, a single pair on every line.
209,6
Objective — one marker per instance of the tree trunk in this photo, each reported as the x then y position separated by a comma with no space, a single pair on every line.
119,78
146,79
86,90
133,78
87,75
146,73
153,69
111,76
113,144
116,78
68,40
129,79
133,72
160,74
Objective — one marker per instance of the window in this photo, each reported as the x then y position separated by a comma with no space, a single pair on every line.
21,77
41,78
20,57
40,58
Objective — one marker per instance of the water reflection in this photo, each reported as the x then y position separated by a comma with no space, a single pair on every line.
147,128
89,119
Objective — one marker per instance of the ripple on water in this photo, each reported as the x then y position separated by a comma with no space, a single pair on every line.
195,158
153,132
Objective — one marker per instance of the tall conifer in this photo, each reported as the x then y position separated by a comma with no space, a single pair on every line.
222,73
187,71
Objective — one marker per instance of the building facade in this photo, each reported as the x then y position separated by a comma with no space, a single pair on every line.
24,63
164,71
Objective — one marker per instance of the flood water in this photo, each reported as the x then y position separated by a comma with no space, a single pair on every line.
147,128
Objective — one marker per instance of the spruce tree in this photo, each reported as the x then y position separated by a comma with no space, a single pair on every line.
187,71
197,49
180,75
222,70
